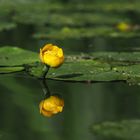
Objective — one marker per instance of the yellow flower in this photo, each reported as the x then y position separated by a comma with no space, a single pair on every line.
52,55
51,106
123,26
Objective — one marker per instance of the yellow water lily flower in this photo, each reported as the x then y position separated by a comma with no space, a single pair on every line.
123,26
51,106
52,55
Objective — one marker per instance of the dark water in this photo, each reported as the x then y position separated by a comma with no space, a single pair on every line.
85,103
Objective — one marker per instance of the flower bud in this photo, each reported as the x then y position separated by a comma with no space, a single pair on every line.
52,55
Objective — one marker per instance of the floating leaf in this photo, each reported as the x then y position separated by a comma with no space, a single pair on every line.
127,57
81,7
96,67
68,19
68,32
4,70
14,56
100,67
68,14
92,71
126,129
77,71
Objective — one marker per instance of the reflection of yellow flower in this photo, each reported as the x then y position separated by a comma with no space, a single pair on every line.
51,106
52,55
123,26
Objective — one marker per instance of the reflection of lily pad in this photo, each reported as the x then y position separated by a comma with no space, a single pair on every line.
127,129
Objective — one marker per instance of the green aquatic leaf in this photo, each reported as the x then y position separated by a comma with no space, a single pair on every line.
126,129
99,67
83,32
95,67
68,19
81,7
68,14
91,71
96,71
127,57
4,70
14,56
75,71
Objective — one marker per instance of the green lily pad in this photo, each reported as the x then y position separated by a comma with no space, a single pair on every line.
84,32
91,71
96,67
14,56
4,70
13,59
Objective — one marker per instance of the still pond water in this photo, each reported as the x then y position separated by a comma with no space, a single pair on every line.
85,104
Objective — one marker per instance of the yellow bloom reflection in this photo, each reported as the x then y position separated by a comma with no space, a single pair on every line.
51,106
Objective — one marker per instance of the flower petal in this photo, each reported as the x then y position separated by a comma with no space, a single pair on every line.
47,47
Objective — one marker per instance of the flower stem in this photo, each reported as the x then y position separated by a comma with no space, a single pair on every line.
46,71
45,87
